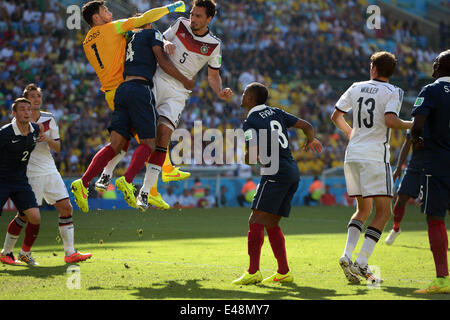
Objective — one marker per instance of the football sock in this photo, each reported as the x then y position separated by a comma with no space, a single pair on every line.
14,229
153,170
371,238
98,163
398,216
437,235
167,165
140,155
154,189
277,242
255,240
31,233
353,234
66,230
109,169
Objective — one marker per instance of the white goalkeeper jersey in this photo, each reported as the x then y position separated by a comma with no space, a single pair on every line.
370,101
41,160
192,52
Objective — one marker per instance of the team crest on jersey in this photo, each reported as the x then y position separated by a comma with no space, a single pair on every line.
204,49
248,135
419,102
159,36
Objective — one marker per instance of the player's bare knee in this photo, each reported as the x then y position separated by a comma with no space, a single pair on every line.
33,215
149,143
165,130
64,208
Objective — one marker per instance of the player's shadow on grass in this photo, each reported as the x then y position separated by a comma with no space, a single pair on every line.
192,289
414,247
409,293
42,272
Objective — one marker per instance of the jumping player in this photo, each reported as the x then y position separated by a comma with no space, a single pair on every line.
136,112
274,194
432,122
376,105
104,47
17,141
192,47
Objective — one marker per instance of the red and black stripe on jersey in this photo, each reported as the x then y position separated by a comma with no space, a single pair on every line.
192,44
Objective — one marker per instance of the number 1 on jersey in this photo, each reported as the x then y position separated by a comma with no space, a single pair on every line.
94,47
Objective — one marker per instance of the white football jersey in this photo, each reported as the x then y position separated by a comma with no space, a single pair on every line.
41,160
370,101
192,52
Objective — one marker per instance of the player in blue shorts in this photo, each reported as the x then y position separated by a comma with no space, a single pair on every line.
432,122
17,141
275,191
134,113
410,185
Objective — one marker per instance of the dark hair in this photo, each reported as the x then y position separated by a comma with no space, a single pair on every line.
19,100
30,87
259,92
444,63
91,8
385,62
209,5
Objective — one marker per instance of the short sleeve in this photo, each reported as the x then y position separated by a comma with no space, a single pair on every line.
156,39
345,102
289,119
215,61
424,103
170,33
54,129
250,135
395,102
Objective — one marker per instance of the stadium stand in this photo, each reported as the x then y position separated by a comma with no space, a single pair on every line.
308,52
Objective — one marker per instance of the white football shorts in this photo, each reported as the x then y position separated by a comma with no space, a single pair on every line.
50,187
170,102
368,179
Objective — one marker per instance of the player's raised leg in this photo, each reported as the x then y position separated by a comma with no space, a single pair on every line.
124,183
154,168
80,187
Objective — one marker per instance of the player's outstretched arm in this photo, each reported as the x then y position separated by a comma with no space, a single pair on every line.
215,82
311,143
149,16
170,68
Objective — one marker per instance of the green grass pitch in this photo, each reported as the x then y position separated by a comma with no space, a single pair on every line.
196,254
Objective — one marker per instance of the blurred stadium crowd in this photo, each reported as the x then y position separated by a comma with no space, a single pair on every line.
307,51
